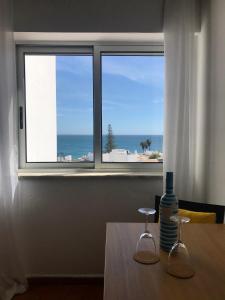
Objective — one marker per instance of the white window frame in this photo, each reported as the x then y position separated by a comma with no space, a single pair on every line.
86,48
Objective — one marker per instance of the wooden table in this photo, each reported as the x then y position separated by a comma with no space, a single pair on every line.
126,279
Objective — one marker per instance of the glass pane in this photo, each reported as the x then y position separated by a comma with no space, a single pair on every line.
132,108
59,108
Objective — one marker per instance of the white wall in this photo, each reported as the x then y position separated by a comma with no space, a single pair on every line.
41,127
212,93
62,221
88,15
216,169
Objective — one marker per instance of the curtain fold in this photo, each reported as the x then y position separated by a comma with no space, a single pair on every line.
192,146
180,94
12,280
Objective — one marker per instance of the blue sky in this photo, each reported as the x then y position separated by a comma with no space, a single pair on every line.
132,94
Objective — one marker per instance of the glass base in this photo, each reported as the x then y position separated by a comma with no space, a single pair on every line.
181,270
146,257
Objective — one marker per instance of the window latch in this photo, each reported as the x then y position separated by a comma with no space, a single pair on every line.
21,117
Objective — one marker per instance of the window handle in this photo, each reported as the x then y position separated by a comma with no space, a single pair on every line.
21,117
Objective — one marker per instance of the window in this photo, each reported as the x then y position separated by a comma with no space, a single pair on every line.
91,107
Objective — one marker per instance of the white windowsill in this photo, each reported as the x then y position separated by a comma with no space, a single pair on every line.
86,173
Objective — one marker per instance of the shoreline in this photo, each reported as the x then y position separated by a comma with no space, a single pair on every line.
117,155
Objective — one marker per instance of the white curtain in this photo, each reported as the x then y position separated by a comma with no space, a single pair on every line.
12,280
194,143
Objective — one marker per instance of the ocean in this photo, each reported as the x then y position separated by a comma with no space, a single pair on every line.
79,145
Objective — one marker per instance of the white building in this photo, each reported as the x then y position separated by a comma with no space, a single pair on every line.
120,155
41,108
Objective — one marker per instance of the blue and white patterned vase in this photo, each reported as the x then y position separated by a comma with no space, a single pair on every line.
168,207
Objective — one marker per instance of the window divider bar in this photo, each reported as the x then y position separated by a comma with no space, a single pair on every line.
97,107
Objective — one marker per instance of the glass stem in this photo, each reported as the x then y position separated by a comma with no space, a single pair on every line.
146,223
179,230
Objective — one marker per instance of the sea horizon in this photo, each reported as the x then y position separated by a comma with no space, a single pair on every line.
113,134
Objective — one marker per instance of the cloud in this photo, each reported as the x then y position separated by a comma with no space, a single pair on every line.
157,100
77,64
65,112
142,69
110,104
134,105
74,95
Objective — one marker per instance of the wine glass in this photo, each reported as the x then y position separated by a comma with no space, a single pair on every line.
146,247
179,262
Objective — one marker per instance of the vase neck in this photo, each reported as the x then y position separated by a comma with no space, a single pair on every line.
169,183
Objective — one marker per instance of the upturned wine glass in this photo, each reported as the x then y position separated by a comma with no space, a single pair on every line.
179,262
146,246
